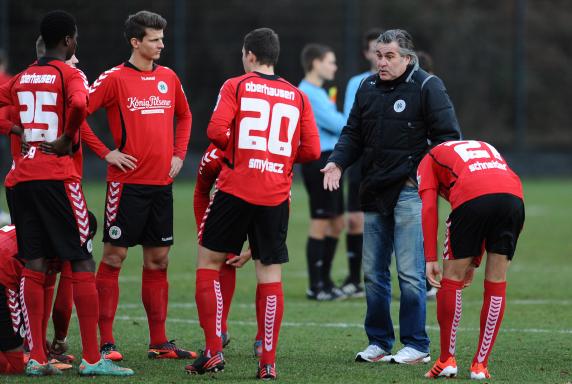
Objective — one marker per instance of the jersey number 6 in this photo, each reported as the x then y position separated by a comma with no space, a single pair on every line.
249,124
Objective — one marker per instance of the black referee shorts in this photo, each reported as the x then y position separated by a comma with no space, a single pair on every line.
324,204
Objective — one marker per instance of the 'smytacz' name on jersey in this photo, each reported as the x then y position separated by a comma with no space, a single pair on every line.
32,78
265,165
269,91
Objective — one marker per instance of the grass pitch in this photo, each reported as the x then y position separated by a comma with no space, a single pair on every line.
318,341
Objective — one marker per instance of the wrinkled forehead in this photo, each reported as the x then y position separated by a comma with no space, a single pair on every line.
385,49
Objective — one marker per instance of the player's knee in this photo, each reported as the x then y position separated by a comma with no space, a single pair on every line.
38,265
114,257
83,265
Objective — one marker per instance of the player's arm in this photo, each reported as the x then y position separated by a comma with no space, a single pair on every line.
207,174
429,223
182,130
119,159
309,148
218,130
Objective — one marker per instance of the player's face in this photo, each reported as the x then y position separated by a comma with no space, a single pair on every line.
389,61
370,55
71,42
151,46
326,68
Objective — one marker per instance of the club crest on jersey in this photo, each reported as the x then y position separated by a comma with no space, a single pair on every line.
115,232
162,87
89,246
399,106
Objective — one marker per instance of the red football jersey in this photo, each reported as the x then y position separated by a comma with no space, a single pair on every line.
10,266
50,98
463,170
209,169
141,106
264,125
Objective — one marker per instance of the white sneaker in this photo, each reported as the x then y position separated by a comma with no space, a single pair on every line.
408,355
373,354
432,293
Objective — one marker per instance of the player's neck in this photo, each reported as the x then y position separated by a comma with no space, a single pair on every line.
56,54
264,69
141,63
314,79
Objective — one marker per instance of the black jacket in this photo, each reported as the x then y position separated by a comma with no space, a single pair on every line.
393,124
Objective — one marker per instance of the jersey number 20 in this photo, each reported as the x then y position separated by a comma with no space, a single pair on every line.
261,123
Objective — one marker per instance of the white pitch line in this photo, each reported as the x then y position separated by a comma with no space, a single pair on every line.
349,325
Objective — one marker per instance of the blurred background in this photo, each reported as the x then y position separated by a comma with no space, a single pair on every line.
504,63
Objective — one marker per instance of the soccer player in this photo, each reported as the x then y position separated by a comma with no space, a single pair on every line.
326,207
352,286
49,207
141,99
209,169
262,124
487,214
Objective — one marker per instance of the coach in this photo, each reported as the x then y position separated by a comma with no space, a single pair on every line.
397,115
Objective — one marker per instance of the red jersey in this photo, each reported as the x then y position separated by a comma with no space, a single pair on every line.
264,125
209,169
50,98
10,266
141,106
460,171
5,125
463,170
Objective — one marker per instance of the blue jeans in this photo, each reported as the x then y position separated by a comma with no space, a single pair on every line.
402,234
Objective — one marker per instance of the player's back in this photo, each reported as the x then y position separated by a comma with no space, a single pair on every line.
473,168
40,94
268,118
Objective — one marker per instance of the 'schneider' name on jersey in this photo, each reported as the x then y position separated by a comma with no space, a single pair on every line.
269,91
32,78
153,104
265,165
479,166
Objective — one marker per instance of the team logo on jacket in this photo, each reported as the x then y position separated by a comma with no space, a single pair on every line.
115,232
399,106
162,87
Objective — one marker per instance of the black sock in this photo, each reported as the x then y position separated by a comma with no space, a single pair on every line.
354,248
330,245
315,259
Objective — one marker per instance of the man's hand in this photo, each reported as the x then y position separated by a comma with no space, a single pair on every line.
62,146
332,175
433,273
176,165
239,261
19,131
121,160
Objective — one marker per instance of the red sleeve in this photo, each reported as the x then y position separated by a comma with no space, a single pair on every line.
309,148
224,112
429,220
6,92
101,92
92,141
77,95
209,170
184,122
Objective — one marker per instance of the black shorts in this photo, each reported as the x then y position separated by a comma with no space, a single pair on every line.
324,204
10,201
12,328
138,214
52,220
492,222
230,221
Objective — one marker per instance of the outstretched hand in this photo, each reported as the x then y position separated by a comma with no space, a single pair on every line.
332,175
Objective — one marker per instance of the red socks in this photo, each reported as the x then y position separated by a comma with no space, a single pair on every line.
227,280
259,317
64,302
107,282
155,296
32,299
270,303
87,307
11,362
210,306
449,305
494,300
49,285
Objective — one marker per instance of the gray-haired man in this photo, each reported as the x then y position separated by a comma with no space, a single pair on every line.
397,115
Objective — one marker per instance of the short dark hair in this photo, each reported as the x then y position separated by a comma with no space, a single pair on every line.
135,24
55,26
311,52
425,61
265,45
369,35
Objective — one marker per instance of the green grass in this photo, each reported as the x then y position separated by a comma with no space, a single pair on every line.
318,341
